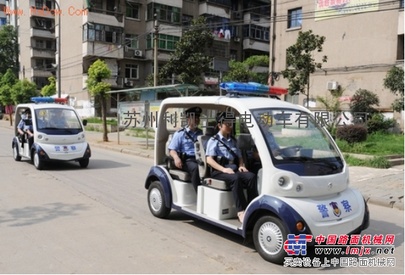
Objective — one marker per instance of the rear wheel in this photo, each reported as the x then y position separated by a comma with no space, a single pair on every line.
38,163
156,200
84,163
16,155
269,236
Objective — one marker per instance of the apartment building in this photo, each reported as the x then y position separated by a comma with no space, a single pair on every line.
363,39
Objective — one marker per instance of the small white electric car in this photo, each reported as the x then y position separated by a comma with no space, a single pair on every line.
58,133
303,183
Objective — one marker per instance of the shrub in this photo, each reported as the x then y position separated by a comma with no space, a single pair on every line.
378,123
352,133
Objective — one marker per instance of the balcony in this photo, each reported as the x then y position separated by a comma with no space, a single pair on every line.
42,12
39,53
44,33
41,73
251,44
101,18
105,50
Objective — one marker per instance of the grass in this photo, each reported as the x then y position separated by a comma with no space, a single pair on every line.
377,145
99,121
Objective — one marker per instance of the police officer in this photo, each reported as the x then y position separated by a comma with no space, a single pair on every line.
227,164
181,147
25,128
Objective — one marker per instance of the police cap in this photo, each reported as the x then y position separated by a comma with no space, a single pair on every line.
194,111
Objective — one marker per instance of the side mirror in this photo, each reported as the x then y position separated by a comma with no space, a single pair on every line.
84,122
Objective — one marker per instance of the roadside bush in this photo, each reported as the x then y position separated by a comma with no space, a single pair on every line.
352,133
378,123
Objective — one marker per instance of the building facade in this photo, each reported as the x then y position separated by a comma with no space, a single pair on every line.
364,39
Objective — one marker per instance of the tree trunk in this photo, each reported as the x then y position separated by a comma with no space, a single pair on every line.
103,102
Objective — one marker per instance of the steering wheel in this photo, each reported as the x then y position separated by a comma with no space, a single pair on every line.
290,150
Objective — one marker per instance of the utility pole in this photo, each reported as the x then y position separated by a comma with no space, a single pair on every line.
59,76
155,52
272,46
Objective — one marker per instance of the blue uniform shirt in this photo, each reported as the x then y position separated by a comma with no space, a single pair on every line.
183,141
217,149
25,124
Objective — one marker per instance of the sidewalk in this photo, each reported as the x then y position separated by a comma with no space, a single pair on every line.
379,186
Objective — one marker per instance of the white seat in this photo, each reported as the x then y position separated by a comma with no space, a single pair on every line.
175,172
204,170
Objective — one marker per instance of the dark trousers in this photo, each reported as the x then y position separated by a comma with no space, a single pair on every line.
238,182
190,165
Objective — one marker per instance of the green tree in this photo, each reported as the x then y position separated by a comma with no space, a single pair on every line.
361,105
8,49
23,90
50,89
394,81
98,89
242,71
333,106
301,63
189,60
7,82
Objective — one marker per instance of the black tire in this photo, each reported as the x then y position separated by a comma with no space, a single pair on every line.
84,163
156,200
38,163
16,154
269,235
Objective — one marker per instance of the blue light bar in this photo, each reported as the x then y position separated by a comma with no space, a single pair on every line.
48,99
251,88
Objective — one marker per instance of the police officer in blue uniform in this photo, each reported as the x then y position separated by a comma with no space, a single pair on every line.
227,164
181,147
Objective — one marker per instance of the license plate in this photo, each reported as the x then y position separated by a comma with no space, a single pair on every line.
65,148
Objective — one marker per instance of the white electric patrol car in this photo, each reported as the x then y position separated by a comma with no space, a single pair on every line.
303,180
58,133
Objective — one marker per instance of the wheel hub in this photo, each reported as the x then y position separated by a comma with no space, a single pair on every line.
270,238
155,200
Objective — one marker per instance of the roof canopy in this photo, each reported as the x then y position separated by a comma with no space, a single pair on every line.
182,89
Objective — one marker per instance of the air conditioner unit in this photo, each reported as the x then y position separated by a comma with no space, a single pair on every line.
332,85
138,53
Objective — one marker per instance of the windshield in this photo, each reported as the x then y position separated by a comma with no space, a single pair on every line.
297,142
57,121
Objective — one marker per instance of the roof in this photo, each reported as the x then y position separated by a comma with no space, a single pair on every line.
236,102
180,88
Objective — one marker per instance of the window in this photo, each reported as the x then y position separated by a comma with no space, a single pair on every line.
256,32
103,33
96,4
131,41
132,10
165,42
400,47
295,18
131,71
164,13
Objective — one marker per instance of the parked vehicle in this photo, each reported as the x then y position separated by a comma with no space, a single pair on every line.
58,134
303,185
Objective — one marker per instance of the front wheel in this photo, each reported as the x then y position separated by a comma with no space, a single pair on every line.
84,163
156,200
16,154
38,163
269,235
